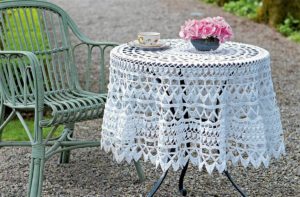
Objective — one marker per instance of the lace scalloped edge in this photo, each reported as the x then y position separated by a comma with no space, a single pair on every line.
129,156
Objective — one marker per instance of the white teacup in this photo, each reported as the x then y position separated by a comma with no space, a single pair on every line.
149,38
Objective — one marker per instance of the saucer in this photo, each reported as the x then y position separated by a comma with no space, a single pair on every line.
160,46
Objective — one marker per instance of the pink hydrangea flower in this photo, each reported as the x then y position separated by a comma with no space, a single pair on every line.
215,27
190,29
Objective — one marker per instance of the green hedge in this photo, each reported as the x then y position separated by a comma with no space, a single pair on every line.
250,9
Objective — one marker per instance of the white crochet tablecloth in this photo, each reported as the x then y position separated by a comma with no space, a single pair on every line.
180,104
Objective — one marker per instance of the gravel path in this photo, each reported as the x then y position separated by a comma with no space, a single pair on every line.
94,173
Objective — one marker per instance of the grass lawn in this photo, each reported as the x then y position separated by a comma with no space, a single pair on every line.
24,30
14,131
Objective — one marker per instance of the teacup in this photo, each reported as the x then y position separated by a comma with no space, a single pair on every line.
149,38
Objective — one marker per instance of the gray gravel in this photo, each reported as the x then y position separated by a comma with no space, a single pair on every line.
94,173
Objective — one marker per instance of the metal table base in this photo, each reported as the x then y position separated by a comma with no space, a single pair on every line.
181,188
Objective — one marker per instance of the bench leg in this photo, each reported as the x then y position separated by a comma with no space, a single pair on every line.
65,155
36,171
140,171
36,174
2,113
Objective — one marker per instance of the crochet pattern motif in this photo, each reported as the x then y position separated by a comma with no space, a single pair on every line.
181,104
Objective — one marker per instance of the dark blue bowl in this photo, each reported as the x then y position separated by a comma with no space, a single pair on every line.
206,44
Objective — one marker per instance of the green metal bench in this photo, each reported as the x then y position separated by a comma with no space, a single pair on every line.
38,74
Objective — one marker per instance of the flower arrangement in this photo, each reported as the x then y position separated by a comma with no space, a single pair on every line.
210,28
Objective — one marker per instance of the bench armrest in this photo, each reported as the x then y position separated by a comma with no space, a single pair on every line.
102,46
84,39
24,63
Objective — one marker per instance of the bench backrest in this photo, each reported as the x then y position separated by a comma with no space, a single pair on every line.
42,28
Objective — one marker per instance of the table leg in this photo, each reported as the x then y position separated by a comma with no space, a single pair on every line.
234,184
182,190
157,184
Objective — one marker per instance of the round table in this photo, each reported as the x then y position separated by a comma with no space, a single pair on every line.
177,105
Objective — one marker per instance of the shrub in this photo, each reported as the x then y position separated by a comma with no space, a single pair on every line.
289,26
246,8
295,36
210,1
